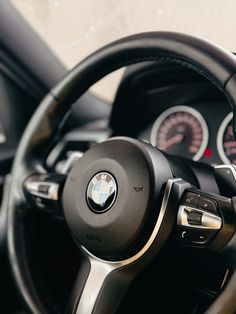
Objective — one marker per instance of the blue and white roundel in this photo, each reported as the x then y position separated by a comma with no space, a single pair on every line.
101,191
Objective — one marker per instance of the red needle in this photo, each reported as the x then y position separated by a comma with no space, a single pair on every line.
171,141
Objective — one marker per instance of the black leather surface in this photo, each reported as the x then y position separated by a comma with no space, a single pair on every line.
214,63
208,59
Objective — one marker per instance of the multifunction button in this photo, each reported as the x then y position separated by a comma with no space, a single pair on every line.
43,191
194,236
207,204
193,217
190,199
198,219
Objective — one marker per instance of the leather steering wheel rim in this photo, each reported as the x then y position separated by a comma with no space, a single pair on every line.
208,59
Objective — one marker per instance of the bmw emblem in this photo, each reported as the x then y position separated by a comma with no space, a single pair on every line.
101,192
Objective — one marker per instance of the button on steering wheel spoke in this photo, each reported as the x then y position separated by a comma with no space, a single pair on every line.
205,220
44,191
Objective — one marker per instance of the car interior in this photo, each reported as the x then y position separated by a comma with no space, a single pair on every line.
122,207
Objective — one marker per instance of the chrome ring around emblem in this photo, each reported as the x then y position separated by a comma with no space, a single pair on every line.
101,192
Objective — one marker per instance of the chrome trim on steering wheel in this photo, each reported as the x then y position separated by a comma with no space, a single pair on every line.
100,269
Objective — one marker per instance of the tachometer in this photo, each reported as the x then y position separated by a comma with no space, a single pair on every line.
180,131
226,143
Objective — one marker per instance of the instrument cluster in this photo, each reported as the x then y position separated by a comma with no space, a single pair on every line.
183,131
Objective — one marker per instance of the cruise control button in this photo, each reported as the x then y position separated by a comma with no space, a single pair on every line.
185,235
44,192
193,236
194,217
202,236
43,188
38,201
190,199
207,204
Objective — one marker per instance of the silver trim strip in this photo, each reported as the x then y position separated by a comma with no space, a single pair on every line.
100,268
64,167
193,112
225,279
97,275
209,220
33,188
231,167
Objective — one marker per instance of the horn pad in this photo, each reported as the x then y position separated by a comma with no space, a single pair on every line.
113,194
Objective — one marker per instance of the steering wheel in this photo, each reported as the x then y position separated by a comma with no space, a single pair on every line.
123,198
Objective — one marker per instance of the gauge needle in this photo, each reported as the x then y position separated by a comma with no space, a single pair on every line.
172,141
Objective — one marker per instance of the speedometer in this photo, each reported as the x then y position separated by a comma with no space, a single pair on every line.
180,131
226,143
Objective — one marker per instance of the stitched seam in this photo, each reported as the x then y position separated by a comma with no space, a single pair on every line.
168,59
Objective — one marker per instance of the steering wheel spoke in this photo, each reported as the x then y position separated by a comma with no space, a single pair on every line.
100,286
206,220
44,191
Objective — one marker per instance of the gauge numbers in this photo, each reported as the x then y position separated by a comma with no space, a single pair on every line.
180,131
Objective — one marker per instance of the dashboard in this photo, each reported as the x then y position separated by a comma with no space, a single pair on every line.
173,109
177,111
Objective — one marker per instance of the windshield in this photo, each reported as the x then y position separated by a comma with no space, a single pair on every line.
73,29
